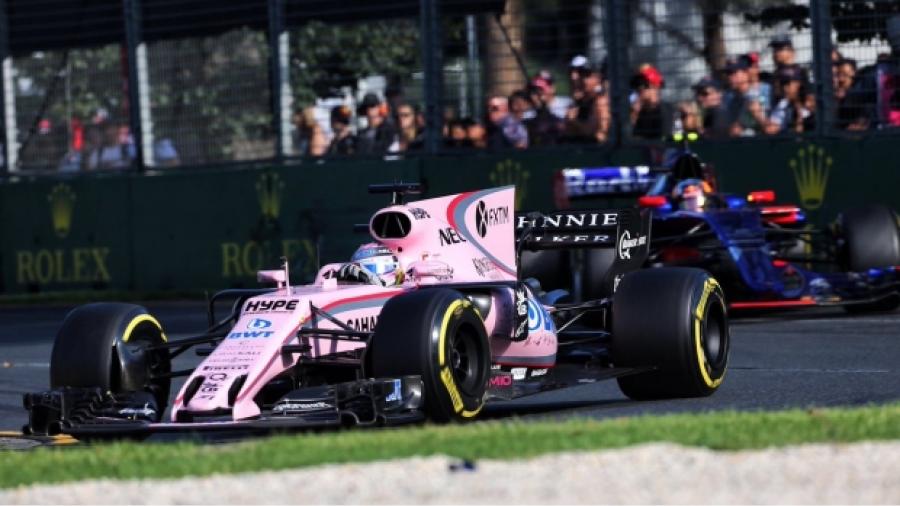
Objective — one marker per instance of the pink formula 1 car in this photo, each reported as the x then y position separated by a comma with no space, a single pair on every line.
432,320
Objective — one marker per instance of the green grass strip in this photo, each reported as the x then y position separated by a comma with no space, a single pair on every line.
494,439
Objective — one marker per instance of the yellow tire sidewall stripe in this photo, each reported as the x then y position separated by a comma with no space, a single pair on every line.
137,320
445,374
708,287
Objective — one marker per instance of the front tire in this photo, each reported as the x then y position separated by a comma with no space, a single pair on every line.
436,334
103,345
674,320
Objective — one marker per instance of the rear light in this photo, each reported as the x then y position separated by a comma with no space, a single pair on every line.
779,263
652,201
761,197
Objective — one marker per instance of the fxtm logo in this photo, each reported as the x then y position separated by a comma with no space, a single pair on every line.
488,217
811,167
259,323
62,203
510,172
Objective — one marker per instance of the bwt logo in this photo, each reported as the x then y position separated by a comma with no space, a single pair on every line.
251,334
259,323
487,217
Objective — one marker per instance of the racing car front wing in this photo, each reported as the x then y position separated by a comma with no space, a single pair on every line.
87,413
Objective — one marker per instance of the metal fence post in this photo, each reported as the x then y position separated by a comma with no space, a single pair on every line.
139,118
280,83
616,69
820,17
8,141
432,65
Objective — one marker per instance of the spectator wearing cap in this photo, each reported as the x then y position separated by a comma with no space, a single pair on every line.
544,126
650,117
543,83
714,117
791,111
745,115
579,68
343,142
760,90
587,120
783,55
380,134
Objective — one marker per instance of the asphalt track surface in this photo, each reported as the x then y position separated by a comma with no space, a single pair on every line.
815,358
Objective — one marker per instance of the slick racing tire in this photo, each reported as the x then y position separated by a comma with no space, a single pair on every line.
436,334
104,345
871,238
675,321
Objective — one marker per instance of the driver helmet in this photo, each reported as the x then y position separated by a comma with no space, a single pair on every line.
377,258
691,194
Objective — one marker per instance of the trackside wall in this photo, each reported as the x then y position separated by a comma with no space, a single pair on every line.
211,229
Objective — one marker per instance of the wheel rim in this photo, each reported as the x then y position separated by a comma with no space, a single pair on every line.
465,359
714,338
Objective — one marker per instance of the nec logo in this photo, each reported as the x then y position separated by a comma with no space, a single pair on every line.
259,323
250,334
262,306
450,236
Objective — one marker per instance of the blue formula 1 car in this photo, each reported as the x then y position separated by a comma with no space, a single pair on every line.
766,256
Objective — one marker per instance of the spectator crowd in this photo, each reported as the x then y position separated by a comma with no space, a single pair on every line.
739,100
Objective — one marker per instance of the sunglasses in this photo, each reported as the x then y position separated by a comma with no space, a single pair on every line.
494,108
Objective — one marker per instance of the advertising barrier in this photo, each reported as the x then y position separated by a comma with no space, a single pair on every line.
212,229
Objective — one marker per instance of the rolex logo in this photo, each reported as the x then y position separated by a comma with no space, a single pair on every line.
509,172
268,190
811,167
62,203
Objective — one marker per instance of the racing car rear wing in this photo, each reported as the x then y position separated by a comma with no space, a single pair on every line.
626,230
623,181
575,183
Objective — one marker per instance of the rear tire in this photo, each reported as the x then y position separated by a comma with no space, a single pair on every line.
673,319
436,334
871,239
103,345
